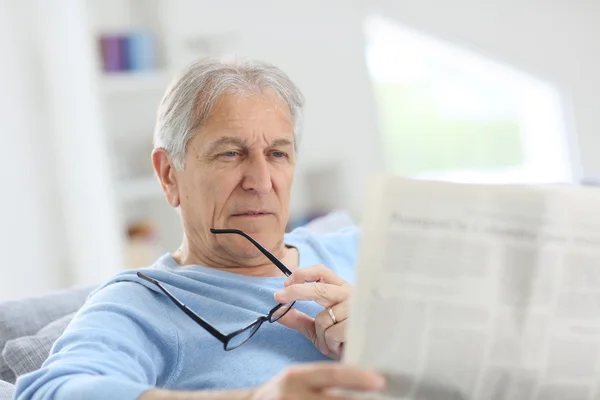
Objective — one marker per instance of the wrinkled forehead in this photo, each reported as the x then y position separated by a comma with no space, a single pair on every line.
264,104
250,117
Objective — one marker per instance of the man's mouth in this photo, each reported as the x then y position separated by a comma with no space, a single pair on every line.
252,213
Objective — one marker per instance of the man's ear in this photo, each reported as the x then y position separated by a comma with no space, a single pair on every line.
166,173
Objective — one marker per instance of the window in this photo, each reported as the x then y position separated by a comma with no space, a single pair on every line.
447,113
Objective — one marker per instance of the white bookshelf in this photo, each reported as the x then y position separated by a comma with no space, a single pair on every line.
128,103
132,83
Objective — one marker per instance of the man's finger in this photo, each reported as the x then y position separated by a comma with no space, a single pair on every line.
314,273
300,322
340,311
334,338
334,375
323,293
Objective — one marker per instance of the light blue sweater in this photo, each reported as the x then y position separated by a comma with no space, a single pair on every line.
129,337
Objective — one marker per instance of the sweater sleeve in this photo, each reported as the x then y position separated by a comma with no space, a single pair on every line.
120,344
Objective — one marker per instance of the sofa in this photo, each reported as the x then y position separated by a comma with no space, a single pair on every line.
29,327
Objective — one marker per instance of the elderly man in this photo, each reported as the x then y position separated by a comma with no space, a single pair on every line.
240,310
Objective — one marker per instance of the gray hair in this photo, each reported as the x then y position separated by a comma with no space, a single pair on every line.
190,98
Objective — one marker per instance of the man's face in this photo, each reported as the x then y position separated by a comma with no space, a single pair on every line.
238,174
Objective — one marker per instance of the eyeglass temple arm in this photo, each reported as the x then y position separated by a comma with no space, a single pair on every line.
186,310
266,252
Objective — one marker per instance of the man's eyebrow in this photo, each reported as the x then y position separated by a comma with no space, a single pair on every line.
281,142
236,141
226,140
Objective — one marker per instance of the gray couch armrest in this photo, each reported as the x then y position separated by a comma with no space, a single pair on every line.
27,316
19,318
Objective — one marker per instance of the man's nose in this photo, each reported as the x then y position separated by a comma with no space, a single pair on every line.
257,176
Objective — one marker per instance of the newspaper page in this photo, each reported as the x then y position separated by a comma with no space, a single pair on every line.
479,292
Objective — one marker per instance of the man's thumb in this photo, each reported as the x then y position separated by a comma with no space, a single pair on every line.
300,322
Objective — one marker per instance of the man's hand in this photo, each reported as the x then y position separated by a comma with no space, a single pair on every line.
302,382
316,381
328,290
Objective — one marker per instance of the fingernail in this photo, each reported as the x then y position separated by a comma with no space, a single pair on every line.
287,282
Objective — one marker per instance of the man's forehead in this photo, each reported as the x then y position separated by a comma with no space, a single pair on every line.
248,141
247,120
232,107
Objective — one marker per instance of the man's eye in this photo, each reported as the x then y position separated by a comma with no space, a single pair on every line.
278,154
231,153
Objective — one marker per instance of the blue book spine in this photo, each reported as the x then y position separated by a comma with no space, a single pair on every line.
141,50
123,53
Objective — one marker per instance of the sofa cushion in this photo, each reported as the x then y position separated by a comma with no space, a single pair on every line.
28,353
6,373
331,222
27,316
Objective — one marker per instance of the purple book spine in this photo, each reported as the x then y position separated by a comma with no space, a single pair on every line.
111,53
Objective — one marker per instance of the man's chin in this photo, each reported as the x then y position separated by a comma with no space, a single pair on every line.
254,224
243,249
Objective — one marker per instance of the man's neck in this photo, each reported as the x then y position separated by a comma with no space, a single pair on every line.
259,266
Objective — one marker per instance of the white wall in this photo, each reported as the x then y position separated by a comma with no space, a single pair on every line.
58,219
30,232
555,40
90,214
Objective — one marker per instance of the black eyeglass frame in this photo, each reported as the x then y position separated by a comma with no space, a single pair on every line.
253,326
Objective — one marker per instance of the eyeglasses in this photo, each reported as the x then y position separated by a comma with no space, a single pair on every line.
241,336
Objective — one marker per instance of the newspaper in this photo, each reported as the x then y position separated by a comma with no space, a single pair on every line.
479,292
